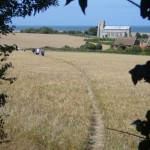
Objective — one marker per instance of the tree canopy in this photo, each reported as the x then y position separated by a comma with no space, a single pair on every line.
20,8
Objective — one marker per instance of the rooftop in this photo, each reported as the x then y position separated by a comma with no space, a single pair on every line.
125,40
117,27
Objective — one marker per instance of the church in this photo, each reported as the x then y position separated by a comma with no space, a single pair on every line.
112,31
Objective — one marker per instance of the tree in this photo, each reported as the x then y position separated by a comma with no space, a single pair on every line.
13,8
144,36
92,31
138,35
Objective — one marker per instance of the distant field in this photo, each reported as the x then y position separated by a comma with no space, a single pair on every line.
30,40
50,107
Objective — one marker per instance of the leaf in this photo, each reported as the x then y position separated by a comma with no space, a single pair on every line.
68,1
145,8
83,5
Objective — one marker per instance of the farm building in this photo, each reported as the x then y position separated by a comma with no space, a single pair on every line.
112,31
126,41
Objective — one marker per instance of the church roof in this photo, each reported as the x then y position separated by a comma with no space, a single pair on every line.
117,27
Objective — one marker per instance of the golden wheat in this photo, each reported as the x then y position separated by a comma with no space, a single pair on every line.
29,40
50,108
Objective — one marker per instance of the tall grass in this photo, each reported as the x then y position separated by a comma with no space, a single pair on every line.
50,108
48,105
119,101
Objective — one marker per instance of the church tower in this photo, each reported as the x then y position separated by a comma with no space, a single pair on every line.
100,28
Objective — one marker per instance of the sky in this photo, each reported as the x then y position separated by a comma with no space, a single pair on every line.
114,12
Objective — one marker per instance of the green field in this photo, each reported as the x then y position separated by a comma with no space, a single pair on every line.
52,104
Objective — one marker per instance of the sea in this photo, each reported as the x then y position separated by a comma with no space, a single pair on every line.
142,29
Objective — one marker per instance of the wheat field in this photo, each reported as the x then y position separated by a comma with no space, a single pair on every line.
31,40
49,106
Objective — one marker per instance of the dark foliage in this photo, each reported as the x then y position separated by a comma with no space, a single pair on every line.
144,8
99,46
92,31
143,126
22,8
82,3
42,30
138,35
89,46
140,72
133,50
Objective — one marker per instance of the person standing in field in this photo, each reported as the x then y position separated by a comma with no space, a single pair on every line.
33,50
42,52
37,51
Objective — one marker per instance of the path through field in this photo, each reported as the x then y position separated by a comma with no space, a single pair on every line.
52,104
64,99
96,138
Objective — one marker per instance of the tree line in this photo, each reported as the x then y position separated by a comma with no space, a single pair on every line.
48,30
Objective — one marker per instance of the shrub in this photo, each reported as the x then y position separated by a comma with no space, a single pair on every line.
138,35
134,50
121,46
88,46
99,46
146,51
144,36
66,47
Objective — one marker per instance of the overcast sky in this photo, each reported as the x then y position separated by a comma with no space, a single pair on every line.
114,12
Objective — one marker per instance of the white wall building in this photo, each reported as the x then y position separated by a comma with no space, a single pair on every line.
112,31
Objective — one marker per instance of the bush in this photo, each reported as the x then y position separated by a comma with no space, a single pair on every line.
144,36
134,50
89,46
66,48
146,51
43,30
121,46
138,35
99,46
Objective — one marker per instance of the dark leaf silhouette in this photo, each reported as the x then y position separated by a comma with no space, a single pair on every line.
143,127
145,8
68,1
82,3
140,72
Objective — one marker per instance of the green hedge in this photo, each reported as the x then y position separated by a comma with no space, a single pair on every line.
134,50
